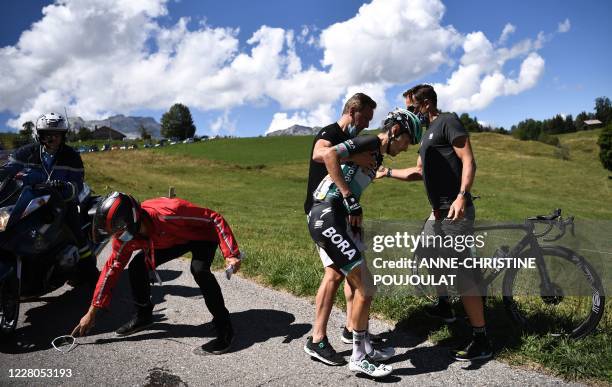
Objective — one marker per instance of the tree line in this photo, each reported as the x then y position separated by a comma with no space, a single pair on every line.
545,130
177,122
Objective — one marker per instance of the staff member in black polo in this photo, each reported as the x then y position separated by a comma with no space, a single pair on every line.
447,167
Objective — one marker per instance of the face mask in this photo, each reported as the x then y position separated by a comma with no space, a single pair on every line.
424,118
352,130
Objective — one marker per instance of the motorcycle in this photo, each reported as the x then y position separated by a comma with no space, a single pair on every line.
38,251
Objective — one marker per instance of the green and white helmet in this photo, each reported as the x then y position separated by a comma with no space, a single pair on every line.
408,121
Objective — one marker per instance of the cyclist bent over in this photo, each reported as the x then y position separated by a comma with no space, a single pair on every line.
336,215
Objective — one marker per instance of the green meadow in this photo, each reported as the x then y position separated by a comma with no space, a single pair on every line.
259,185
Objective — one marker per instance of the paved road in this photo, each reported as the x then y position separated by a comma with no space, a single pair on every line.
271,328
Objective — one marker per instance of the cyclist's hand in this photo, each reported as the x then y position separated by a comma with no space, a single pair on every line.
234,262
354,210
357,233
381,172
457,209
355,220
352,205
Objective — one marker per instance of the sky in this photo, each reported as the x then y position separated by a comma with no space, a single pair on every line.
245,68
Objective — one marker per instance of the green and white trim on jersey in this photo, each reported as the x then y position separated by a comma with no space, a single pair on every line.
356,177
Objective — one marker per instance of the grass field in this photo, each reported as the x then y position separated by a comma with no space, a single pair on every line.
259,184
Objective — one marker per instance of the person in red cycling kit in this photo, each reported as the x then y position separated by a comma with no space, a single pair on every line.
163,229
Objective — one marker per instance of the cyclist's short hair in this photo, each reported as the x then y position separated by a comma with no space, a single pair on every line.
422,92
358,102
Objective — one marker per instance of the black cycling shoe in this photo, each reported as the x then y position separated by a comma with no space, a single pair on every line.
323,351
475,350
142,319
347,337
442,310
221,343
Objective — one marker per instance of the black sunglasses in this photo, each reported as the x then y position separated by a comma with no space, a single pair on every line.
50,134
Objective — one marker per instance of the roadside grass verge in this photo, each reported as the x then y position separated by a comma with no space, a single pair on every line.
259,186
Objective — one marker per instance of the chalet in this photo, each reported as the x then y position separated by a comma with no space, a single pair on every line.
592,124
107,133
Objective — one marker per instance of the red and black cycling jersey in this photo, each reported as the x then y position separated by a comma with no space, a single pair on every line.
173,222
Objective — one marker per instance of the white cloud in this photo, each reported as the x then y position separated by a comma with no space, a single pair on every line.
97,58
320,116
508,30
564,26
392,41
480,79
223,123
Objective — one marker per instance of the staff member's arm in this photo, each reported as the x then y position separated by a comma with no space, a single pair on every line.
364,159
406,174
463,150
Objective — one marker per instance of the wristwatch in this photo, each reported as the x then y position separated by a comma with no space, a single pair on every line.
465,194
388,174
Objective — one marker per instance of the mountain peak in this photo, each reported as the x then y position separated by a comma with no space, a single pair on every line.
295,130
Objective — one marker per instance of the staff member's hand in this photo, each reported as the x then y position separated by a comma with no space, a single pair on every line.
457,209
234,262
87,322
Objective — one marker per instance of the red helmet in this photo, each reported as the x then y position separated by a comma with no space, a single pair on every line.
118,214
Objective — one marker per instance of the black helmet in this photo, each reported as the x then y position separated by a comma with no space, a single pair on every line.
408,121
117,213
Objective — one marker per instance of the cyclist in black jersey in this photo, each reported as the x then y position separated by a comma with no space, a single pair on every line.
336,210
356,116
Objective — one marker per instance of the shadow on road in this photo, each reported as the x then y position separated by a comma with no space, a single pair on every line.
250,327
46,318
416,328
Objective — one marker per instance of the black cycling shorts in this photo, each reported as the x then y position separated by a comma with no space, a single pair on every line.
327,224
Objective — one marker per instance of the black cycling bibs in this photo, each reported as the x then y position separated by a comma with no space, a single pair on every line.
327,221
328,228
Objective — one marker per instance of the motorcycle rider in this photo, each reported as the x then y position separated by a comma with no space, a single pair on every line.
50,160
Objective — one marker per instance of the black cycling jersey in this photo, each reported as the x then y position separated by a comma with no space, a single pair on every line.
327,221
356,177
317,171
